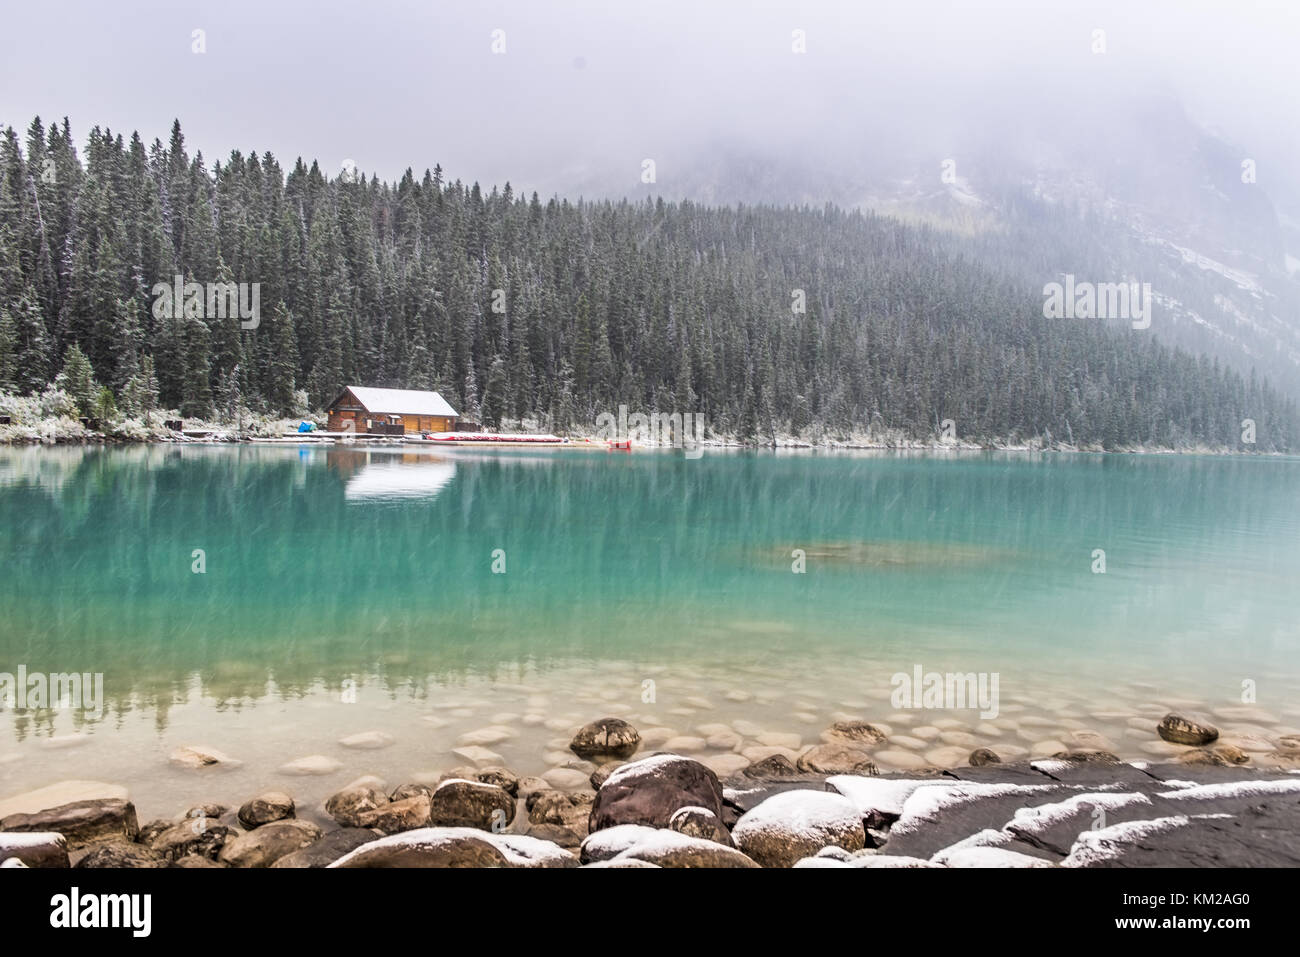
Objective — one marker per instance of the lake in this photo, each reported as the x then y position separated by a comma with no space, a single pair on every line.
269,601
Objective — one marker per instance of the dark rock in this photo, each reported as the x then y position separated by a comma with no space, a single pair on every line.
471,804
1088,756
774,767
328,849
606,739
1180,730
149,831
983,756
212,811
120,854
198,861
650,790
81,822
346,806
270,842
955,812
198,836
265,808
602,773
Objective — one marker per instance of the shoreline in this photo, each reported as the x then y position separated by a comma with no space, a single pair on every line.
55,433
623,803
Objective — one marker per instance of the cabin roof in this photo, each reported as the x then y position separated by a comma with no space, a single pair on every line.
401,401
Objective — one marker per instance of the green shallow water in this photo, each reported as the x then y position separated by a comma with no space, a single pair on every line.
333,565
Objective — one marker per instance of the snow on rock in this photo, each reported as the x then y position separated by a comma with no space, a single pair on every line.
456,847
1036,820
925,805
990,857
667,848
1108,843
795,824
611,841
877,799
1235,789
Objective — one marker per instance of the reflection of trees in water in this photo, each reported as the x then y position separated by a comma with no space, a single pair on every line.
304,590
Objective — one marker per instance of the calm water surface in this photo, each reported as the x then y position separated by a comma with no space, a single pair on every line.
346,590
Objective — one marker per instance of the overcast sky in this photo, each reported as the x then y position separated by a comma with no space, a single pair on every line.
585,89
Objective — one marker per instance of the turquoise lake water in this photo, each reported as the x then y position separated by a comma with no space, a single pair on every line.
645,584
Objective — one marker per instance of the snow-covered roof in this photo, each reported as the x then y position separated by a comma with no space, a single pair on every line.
402,401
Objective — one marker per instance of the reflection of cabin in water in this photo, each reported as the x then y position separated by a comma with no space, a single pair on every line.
390,412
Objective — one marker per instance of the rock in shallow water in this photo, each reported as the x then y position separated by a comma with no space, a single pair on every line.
608,738
265,808
836,758
201,756
1182,730
347,806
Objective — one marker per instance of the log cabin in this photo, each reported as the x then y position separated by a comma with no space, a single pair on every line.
364,410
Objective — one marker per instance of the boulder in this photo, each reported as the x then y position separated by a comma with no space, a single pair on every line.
981,757
701,823
190,861
853,732
149,831
269,843
120,854
404,791
606,739
265,808
567,809
404,815
35,848
1177,729
457,847
81,822
474,804
774,767
668,848
346,806
796,824
650,790
328,849
836,758
197,836
503,778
